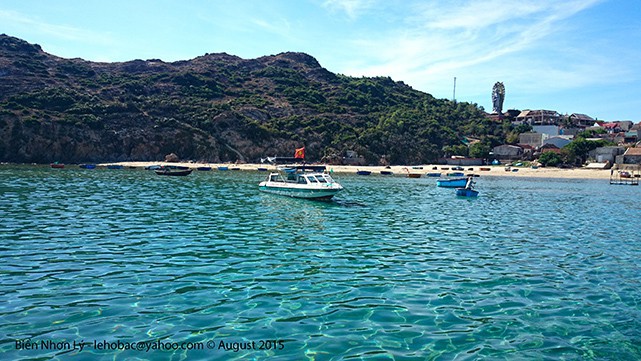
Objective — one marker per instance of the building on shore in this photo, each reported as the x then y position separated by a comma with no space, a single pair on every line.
539,117
632,156
507,152
559,141
532,139
581,120
606,154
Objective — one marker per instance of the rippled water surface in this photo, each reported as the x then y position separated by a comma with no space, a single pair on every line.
392,269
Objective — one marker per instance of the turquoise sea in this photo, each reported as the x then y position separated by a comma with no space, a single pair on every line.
134,266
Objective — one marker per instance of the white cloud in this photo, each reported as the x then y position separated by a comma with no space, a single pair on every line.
480,39
352,8
280,27
12,19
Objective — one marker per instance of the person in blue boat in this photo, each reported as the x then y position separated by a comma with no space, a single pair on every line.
470,183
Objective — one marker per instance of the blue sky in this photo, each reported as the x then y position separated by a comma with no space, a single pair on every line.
572,56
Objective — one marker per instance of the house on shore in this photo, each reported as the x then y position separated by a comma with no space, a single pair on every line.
606,154
549,130
581,120
559,141
548,148
538,117
532,139
507,152
632,156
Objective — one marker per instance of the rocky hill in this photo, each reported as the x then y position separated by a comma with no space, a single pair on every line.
217,108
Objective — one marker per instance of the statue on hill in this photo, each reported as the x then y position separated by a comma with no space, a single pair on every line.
498,95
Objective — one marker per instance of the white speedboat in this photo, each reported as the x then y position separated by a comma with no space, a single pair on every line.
311,182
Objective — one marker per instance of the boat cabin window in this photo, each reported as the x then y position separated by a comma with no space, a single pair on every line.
302,180
321,179
312,179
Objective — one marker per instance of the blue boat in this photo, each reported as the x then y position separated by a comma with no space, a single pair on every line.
204,169
363,172
88,166
452,183
223,168
456,174
387,172
114,166
433,174
465,192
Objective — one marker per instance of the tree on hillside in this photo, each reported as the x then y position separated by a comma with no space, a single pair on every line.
479,150
549,159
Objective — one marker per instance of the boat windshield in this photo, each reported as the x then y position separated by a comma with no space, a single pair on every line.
312,179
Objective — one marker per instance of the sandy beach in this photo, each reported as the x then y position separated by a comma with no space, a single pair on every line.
498,171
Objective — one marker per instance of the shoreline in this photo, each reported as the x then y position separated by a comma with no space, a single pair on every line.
398,170
499,171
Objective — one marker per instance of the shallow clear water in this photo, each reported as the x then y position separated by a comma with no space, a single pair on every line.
392,269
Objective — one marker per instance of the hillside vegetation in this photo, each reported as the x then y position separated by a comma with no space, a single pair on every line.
219,108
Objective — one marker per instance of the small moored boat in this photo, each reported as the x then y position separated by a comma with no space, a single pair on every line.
463,192
310,182
451,183
468,190
57,165
412,175
173,170
363,172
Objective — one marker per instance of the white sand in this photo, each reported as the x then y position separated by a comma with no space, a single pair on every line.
548,172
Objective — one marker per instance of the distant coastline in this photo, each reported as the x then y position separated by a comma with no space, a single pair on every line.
398,170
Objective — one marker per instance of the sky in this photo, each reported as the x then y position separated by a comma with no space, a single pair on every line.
571,56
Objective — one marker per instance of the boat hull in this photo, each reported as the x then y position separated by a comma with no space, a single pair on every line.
452,183
462,192
324,193
174,171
